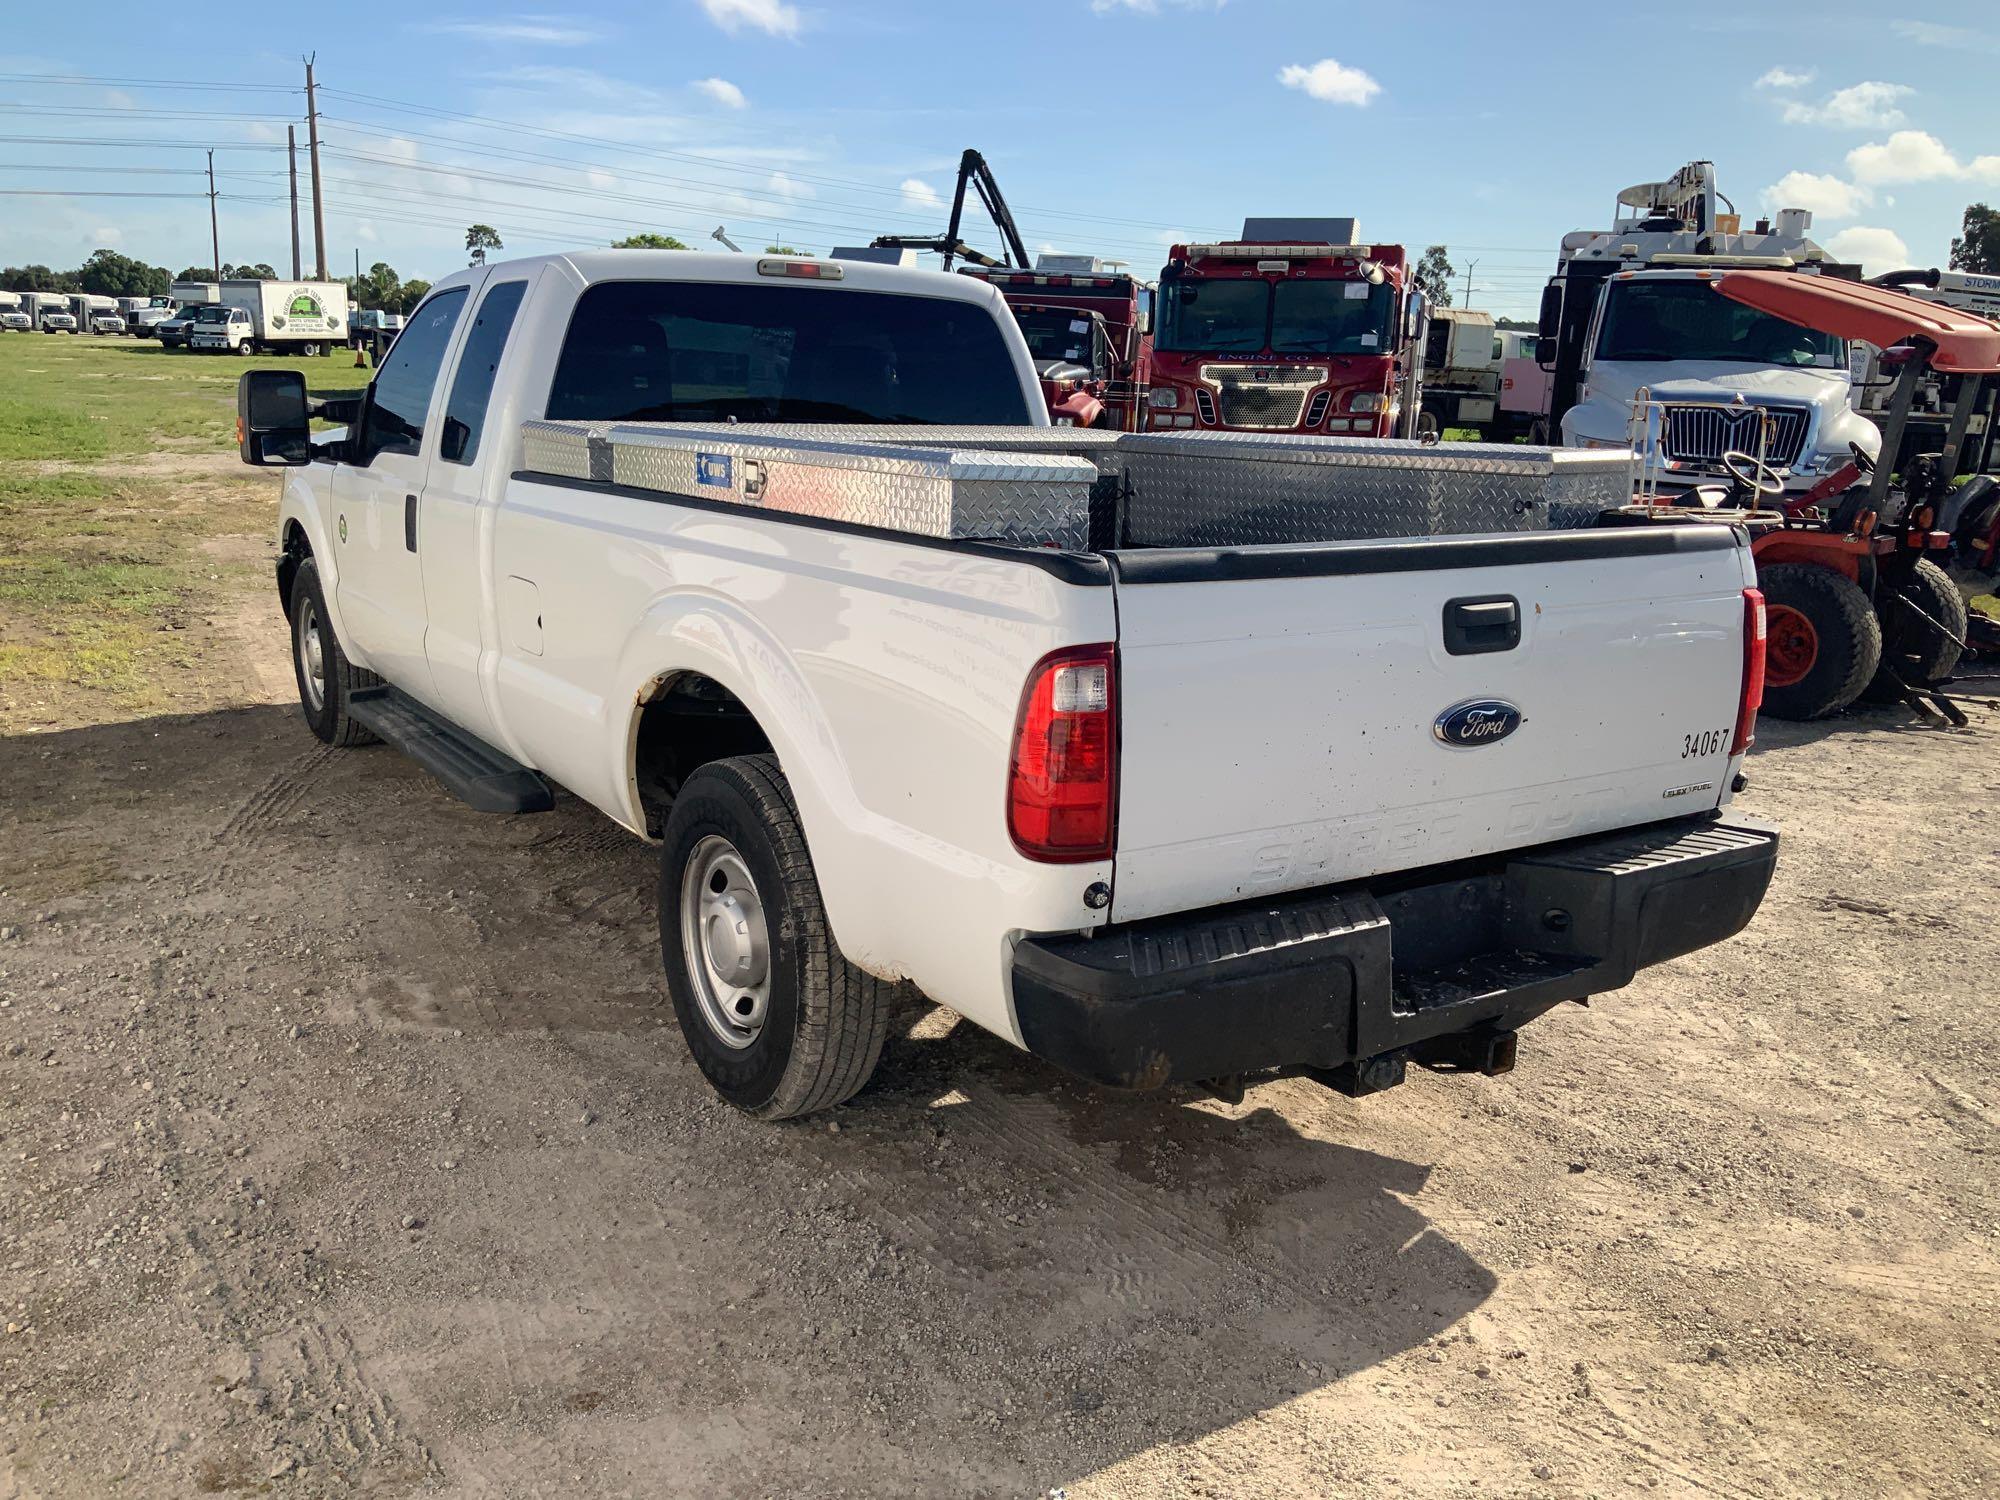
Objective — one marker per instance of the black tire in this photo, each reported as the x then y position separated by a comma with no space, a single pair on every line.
1914,649
824,1020
1830,636
338,677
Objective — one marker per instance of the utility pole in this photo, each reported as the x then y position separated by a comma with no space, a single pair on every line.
214,234
1468,282
312,148
292,154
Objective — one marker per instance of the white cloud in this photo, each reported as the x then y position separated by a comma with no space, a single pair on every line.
597,177
1826,196
1152,7
1784,78
1859,106
773,17
1916,156
723,92
920,194
1958,38
365,231
1877,250
787,187
109,235
1331,81
545,31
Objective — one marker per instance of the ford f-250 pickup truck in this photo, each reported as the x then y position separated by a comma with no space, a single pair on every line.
900,705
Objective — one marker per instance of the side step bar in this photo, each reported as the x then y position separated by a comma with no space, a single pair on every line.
472,770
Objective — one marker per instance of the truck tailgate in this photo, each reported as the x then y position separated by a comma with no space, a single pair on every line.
1285,712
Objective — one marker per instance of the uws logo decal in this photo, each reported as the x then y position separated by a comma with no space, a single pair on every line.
1476,722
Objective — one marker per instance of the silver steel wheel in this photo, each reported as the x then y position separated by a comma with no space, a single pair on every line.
310,647
727,942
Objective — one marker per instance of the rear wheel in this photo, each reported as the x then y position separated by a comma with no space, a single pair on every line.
1822,642
779,1022
1923,623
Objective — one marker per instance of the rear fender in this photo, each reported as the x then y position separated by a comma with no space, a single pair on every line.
1844,555
710,635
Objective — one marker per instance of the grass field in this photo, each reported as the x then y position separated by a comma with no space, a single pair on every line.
118,487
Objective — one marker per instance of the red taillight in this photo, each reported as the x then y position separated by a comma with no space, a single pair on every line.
1062,786
1753,671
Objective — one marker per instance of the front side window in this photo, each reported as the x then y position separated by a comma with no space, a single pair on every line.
401,394
1214,317
472,386
1055,333
678,351
1665,320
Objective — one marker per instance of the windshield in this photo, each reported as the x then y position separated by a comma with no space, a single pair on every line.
1218,317
1298,316
1331,317
1661,320
212,314
1056,333
686,351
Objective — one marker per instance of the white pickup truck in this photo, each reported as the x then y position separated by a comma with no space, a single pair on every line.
1152,808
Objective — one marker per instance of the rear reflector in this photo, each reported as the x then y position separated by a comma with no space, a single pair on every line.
1753,672
808,270
1062,787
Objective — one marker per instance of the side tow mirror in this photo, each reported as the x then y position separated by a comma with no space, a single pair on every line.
273,424
1549,324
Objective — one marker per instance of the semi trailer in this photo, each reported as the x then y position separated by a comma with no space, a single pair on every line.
1297,326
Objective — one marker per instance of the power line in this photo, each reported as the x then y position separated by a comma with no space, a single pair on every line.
145,83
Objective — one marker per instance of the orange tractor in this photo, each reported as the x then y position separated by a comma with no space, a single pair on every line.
1857,601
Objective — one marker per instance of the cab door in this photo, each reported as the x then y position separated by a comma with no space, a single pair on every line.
376,500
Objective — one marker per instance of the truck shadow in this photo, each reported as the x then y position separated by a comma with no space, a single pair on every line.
990,1276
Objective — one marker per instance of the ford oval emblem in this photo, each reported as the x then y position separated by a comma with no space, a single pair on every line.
1476,722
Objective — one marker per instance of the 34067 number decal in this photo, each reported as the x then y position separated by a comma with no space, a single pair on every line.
1704,742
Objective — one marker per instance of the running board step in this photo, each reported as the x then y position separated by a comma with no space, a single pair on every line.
472,770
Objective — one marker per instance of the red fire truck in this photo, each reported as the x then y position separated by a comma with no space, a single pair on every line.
1085,329
1296,327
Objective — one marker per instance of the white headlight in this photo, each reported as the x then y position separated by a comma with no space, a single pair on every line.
1163,398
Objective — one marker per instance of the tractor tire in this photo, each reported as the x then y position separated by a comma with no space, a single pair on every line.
1823,642
1914,648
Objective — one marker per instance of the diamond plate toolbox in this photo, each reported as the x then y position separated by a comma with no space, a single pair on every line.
1033,498
1250,489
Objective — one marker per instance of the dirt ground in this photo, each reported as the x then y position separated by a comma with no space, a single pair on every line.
350,1148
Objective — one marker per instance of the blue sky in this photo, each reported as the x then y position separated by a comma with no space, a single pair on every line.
1114,125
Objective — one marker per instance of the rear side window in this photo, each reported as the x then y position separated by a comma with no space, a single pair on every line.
472,387
401,394
676,351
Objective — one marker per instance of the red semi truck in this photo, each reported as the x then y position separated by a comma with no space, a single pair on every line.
1296,327
1086,329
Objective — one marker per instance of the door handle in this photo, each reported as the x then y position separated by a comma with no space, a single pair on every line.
410,522
1473,627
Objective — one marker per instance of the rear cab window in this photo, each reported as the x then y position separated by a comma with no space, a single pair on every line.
676,351
478,362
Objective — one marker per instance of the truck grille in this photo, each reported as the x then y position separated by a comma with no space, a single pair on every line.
1702,434
1262,396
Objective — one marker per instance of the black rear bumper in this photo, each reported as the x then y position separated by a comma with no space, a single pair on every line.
1422,967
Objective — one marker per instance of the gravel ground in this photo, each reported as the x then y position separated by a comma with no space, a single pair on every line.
350,1148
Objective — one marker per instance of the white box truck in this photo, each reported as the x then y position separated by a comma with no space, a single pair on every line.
284,317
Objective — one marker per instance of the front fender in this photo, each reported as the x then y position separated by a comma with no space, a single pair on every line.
306,502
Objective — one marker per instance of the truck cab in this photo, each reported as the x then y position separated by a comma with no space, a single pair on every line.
1293,328
1088,333
1629,311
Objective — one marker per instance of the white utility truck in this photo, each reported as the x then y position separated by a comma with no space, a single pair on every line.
277,317
1628,310
12,318
1168,757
